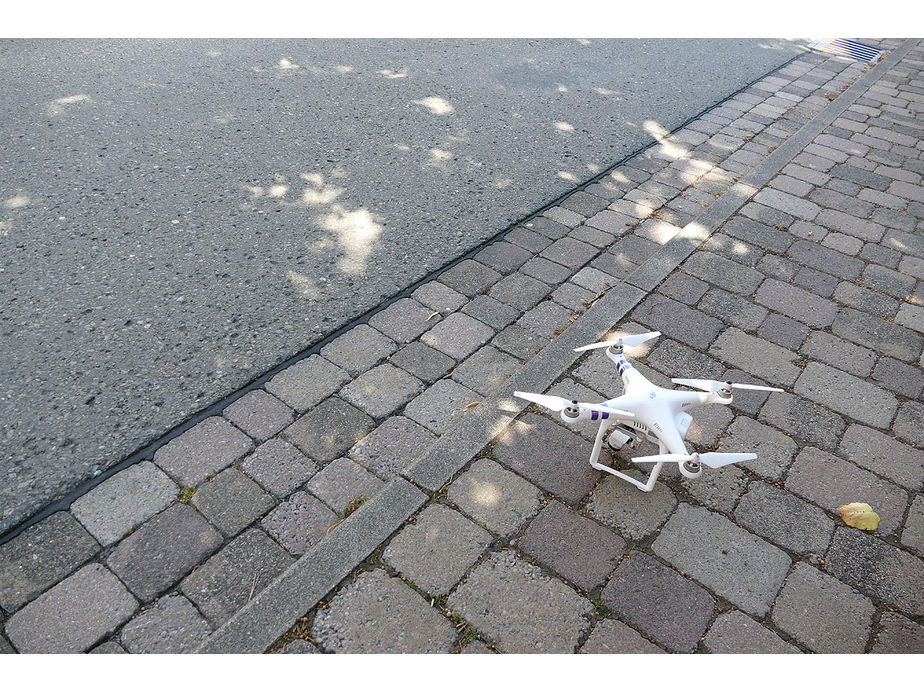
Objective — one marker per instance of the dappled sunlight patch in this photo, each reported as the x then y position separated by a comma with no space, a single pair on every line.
16,202
391,74
344,69
562,126
439,157
436,105
605,92
567,175
58,106
356,231
667,149
5,228
286,64
306,286
484,494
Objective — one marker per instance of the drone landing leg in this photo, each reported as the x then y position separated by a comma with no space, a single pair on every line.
595,456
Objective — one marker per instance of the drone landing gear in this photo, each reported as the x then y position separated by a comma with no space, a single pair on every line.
595,456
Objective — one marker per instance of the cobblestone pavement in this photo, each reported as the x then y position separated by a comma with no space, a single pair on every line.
775,239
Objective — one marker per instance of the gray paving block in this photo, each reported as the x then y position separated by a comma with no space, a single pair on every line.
577,548
329,430
913,533
469,277
823,613
727,559
569,252
520,291
718,489
850,224
231,501
520,342
785,519
299,523
732,309
756,356
423,361
796,303
358,349
108,647
678,360
382,390
847,394
887,573
909,423
548,319
573,297
503,256
486,370
837,352
549,455
898,635
832,482
530,240
825,259
901,378
392,446
341,482
299,646
888,281
73,615
491,312
378,614
204,449
41,556
803,419
816,282
259,414
230,578
490,494
278,467
882,454
584,203
306,383
878,334
439,405
403,321
659,601
736,633
163,550
515,606
439,297
458,335
170,626
867,300
731,275
610,636
633,512
677,320
435,550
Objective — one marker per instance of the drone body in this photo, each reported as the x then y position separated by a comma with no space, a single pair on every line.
646,410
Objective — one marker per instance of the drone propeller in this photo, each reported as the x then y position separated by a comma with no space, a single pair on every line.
631,340
558,403
716,385
710,459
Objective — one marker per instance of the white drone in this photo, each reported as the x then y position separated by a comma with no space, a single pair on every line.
644,409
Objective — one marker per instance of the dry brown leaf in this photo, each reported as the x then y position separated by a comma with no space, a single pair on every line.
859,515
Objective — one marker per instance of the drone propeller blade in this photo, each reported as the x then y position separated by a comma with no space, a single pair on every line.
747,386
631,340
548,401
716,385
662,458
720,459
609,410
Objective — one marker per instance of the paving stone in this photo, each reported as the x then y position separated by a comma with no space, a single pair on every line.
41,556
469,277
230,578
436,550
299,523
584,203
899,377
762,235
823,613
826,259
716,269
162,550
898,635
503,257
785,519
438,406
884,455
547,320
911,316
595,237
836,220
674,358
458,335
530,240
837,352
490,494
727,559
382,390
108,647
788,203
564,216
423,361
832,482
718,489
5,647
491,312
784,331
378,614
676,320
278,467
573,297
439,297
259,414
888,281
683,287
569,252
878,334
913,533
633,512
709,422
341,482
329,430
549,455
816,282
519,609
170,626
909,424
610,636
358,349
308,382
299,646
403,321
204,449
736,633
796,303
519,291
803,419
73,615
846,394
843,243
675,611
866,299
486,370
732,309
614,265
577,548
756,356
392,446
231,501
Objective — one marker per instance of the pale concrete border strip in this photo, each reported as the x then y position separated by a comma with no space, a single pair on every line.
297,590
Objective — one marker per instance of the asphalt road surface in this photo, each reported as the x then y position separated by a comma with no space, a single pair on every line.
178,217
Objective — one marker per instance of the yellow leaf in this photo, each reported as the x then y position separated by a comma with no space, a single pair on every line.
859,515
